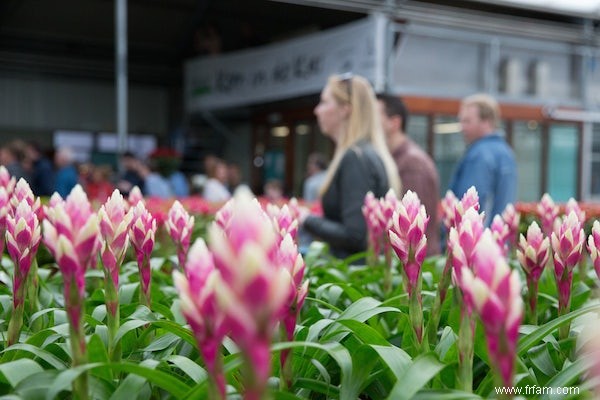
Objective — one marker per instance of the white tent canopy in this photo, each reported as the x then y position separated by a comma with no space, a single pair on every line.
581,8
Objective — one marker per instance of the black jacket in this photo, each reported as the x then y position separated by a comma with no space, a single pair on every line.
343,226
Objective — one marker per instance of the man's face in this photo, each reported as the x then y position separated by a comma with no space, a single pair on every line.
472,126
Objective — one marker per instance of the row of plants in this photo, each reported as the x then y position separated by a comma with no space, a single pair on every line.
118,302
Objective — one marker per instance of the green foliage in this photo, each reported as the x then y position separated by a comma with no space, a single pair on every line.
352,341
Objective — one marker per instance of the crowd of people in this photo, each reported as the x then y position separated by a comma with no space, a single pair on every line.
373,153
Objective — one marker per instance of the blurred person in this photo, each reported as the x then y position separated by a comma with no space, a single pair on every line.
130,176
215,187
12,156
99,186
416,169
42,170
489,162
316,170
273,190
155,185
347,113
234,177
167,162
66,176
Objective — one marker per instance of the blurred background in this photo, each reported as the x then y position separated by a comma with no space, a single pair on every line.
239,79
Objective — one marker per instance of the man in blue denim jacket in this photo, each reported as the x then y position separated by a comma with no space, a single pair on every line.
489,162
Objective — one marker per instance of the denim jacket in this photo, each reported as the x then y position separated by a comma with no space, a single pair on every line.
489,165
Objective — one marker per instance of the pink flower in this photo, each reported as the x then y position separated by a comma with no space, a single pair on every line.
5,210
257,285
6,181
567,244
283,220
73,222
71,233
469,200
198,292
501,233
448,209
548,211
372,212
292,260
593,246
512,219
463,240
23,193
23,235
572,205
494,292
407,236
135,196
180,225
114,227
141,234
533,251
223,215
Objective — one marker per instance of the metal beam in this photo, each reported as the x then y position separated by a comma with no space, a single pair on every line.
121,72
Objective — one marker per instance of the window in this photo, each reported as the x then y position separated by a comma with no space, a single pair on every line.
527,145
563,162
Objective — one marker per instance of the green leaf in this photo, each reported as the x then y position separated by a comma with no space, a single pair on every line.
395,358
164,380
422,370
567,377
525,343
46,356
162,342
97,354
541,359
444,395
35,386
364,309
318,386
15,371
364,332
364,358
132,383
339,353
190,368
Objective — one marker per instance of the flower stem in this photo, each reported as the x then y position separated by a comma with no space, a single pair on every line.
436,311
77,337
532,292
465,352
15,325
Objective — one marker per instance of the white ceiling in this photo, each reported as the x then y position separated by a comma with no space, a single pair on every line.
580,8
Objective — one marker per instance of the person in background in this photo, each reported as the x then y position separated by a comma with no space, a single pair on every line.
155,185
417,170
347,113
99,186
130,175
12,156
215,188
316,169
66,174
489,162
42,171
234,178
167,162
274,191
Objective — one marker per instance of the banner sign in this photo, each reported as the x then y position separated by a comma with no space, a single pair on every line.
283,70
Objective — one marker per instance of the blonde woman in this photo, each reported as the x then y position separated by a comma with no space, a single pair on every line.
348,114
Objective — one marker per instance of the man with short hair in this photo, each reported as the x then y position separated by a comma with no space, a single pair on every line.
489,162
416,168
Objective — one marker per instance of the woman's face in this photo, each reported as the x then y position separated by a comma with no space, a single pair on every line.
330,114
